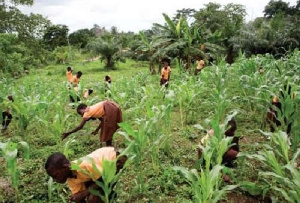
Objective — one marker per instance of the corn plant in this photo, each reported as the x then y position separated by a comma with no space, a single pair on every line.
10,152
109,177
206,186
280,172
56,124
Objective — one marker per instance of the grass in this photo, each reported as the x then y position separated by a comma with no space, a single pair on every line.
43,95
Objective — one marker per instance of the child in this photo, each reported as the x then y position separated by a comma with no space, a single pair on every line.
231,154
6,115
272,114
75,83
108,112
261,70
165,74
76,80
83,179
200,66
87,93
69,74
107,81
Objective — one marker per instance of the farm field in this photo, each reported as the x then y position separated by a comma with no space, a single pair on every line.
162,130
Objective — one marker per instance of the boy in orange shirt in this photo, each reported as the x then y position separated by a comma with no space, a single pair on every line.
108,112
165,74
69,74
76,79
83,179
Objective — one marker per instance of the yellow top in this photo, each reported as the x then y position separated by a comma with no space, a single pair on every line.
165,73
78,184
69,76
95,111
200,65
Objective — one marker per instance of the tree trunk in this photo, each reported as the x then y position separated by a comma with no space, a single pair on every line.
189,61
110,62
230,55
159,66
151,68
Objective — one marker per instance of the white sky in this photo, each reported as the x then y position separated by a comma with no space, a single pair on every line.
126,15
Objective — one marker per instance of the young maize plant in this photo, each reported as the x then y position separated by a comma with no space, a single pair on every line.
10,153
206,185
280,173
109,178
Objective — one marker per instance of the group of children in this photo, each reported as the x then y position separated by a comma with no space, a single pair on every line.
166,71
83,178
88,169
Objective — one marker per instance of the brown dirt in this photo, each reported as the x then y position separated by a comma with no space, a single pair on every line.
239,198
7,193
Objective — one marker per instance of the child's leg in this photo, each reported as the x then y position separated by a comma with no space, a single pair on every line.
71,99
7,117
229,156
108,143
3,118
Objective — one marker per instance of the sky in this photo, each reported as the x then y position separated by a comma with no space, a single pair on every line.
126,15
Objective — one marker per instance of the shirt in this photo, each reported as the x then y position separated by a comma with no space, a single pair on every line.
78,184
95,111
76,80
200,65
69,76
165,73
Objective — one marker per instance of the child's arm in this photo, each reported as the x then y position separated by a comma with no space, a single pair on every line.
64,135
78,197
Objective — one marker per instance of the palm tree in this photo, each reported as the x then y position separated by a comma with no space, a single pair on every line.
109,47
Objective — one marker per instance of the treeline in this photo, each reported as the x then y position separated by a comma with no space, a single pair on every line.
212,32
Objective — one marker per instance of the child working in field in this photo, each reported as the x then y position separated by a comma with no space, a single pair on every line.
69,74
75,82
6,114
83,179
200,66
165,74
107,81
231,154
108,112
273,114
87,93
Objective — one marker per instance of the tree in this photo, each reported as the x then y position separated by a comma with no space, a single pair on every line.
179,39
10,15
56,35
276,7
186,13
80,38
109,47
97,30
227,20
14,57
147,49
